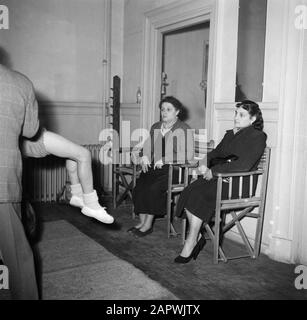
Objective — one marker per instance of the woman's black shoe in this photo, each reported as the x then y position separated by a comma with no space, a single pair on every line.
195,252
139,234
181,259
131,230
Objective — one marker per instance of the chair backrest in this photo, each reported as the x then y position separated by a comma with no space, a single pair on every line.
264,166
201,145
255,181
264,159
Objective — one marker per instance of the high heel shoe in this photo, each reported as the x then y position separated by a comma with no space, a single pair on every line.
181,259
194,254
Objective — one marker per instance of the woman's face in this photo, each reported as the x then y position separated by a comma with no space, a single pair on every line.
168,112
242,118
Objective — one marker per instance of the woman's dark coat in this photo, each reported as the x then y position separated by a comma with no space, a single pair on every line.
248,145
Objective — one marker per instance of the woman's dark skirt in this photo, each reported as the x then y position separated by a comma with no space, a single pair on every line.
199,197
149,194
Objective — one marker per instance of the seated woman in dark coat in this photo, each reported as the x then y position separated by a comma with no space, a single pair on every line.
167,143
247,142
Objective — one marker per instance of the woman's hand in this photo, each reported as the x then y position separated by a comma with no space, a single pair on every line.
158,164
145,163
208,175
135,157
206,172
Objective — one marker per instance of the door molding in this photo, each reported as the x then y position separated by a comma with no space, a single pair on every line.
165,19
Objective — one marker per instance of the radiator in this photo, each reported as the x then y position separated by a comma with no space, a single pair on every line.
46,179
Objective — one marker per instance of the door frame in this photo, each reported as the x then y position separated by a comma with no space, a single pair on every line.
165,19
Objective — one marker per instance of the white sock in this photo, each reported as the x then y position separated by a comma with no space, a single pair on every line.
76,190
91,200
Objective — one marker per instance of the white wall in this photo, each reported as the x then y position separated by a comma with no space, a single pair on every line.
58,45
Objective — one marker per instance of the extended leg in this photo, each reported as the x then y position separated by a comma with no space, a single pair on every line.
80,169
61,147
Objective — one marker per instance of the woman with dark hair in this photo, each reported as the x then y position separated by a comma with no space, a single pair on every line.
167,144
245,145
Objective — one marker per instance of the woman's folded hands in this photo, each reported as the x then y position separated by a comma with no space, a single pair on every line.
145,164
158,164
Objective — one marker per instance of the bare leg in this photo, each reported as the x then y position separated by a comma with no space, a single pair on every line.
142,217
147,223
72,169
79,166
194,228
61,147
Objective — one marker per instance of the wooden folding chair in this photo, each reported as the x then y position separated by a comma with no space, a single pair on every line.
239,208
173,190
184,178
122,173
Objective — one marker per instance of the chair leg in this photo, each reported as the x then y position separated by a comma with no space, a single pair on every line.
258,235
212,237
173,230
114,193
216,242
168,213
128,186
184,230
169,201
243,235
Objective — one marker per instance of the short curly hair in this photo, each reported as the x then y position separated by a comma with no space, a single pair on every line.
254,111
175,103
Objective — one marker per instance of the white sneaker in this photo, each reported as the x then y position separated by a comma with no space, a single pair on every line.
76,201
99,214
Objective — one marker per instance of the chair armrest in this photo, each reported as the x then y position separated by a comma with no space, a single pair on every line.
185,165
129,149
239,174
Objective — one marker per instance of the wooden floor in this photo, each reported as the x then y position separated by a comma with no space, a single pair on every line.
197,280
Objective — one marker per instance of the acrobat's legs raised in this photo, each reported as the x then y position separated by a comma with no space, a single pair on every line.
80,168
80,173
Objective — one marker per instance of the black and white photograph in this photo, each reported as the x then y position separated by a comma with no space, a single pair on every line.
153,153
